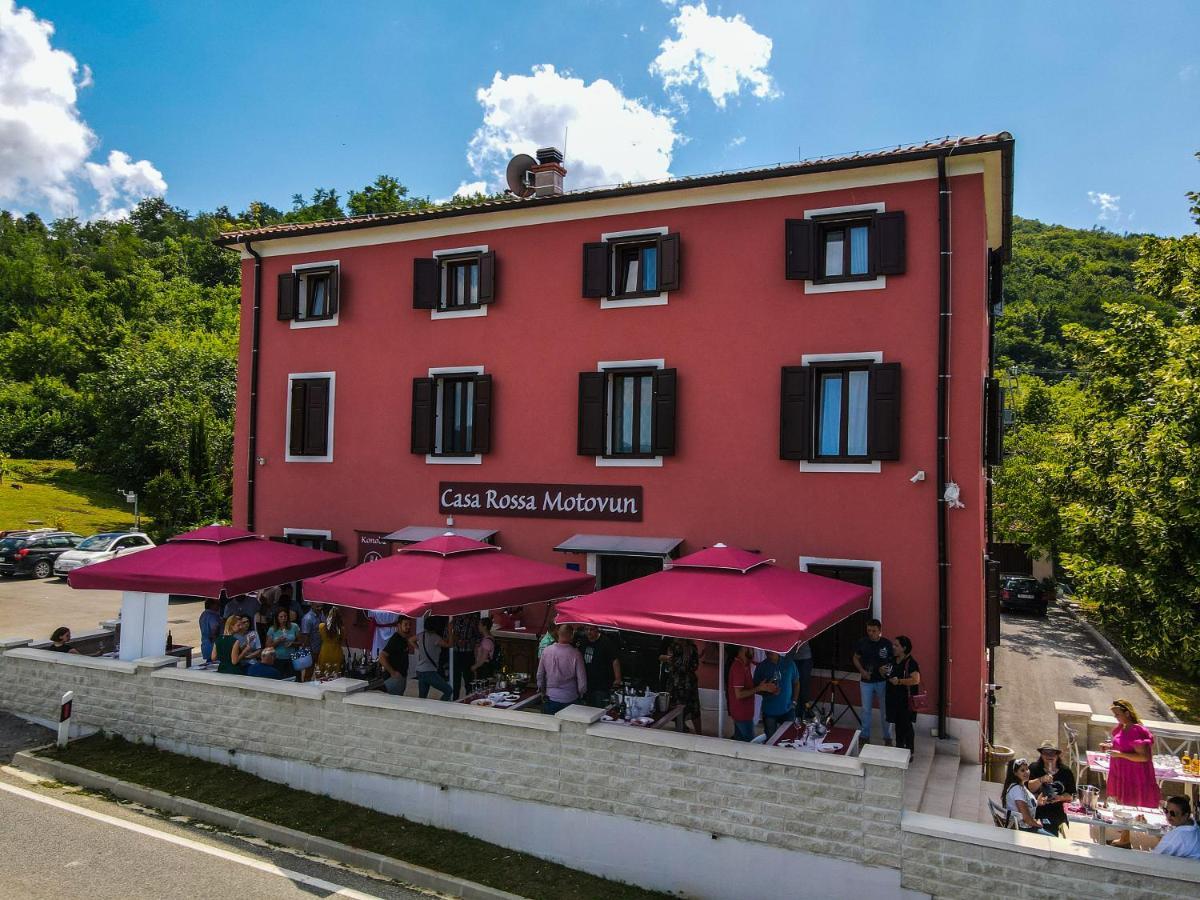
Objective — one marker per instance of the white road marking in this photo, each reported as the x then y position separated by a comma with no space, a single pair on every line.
269,868
23,775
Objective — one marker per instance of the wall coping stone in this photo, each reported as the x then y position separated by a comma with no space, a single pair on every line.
980,835
584,715
892,757
343,686
1074,709
13,643
452,710
157,662
73,659
244,682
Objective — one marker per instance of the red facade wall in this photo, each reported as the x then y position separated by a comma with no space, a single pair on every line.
730,328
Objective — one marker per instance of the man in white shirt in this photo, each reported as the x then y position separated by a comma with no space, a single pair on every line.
1184,837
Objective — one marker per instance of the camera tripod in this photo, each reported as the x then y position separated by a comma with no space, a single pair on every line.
832,692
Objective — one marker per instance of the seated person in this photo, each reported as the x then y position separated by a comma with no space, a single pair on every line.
264,666
394,657
1053,784
1184,837
1020,803
60,640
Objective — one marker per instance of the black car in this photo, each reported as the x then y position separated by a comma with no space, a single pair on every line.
33,553
1023,591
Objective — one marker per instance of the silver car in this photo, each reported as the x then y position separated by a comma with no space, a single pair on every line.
99,547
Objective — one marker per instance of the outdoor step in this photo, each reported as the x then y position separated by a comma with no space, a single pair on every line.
947,746
938,796
918,773
966,792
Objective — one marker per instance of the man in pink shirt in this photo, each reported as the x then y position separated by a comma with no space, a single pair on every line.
561,676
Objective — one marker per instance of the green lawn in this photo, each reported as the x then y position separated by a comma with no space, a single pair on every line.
54,493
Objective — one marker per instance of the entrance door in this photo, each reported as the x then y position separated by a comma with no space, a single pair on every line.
616,570
639,652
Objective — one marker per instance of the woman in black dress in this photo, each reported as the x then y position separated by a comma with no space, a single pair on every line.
682,661
902,680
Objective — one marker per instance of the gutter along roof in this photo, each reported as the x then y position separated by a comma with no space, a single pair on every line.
1001,141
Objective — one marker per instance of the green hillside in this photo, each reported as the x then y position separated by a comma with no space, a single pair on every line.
54,493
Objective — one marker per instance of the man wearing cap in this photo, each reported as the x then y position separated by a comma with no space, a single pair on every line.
1053,783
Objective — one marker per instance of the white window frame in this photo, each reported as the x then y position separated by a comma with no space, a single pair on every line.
323,533
871,467
287,434
430,458
437,313
298,270
878,283
653,462
874,565
630,302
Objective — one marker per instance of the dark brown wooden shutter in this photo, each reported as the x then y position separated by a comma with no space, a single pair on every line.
591,413
296,421
992,593
668,262
595,269
289,286
424,395
993,422
426,283
487,277
316,417
796,413
889,243
331,546
335,289
662,428
800,241
482,416
883,417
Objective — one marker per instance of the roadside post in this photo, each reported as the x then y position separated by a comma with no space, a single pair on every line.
64,718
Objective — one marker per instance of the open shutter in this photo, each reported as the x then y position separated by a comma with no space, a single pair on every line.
424,392
799,238
316,418
591,413
289,288
482,416
296,420
795,413
335,289
883,417
993,422
889,243
595,269
426,283
662,429
668,262
487,277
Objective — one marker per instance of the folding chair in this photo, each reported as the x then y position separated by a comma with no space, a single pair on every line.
1001,817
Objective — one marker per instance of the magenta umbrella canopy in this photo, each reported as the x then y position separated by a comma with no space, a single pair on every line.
448,575
207,562
725,595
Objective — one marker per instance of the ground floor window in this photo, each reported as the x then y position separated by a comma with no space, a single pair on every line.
834,648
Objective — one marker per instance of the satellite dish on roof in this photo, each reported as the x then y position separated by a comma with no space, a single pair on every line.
520,182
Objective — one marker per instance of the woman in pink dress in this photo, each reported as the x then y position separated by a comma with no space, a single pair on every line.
1131,779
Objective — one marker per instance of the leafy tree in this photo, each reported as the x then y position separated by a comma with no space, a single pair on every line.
324,204
384,195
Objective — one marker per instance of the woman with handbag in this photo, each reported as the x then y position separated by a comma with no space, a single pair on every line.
903,695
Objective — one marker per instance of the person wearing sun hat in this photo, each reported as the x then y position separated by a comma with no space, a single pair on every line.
1053,783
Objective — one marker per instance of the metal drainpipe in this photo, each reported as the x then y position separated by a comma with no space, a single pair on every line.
943,438
252,436
997,260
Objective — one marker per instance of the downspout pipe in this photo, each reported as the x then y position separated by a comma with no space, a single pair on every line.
252,430
995,295
943,439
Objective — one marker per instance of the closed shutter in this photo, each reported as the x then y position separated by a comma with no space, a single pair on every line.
296,420
883,417
591,413
335,289
993,422
595,269
668,262
316,418
799,239
795,413
481,441
487,277
662,429
992,593
426,283
424,392
889,243
330,546
289,286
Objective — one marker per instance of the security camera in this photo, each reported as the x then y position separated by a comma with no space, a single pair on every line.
919,477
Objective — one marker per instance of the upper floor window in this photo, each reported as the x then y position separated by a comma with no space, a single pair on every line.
631,266
454,281
627,412
840,411
452,414
309,294
854,246
310,417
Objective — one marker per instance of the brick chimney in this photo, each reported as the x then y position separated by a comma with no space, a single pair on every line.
548,174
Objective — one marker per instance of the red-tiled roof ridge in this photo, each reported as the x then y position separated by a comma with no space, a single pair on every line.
1001,140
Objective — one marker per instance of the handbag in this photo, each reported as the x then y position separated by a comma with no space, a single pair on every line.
918,702
302,660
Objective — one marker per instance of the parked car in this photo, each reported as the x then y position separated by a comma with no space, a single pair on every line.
1023,591
34,552
99,547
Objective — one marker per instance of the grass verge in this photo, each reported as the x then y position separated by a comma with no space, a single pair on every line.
54,493
424,845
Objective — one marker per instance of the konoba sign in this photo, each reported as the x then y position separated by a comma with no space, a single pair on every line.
622,503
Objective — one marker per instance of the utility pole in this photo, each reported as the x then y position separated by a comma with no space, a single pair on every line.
132,497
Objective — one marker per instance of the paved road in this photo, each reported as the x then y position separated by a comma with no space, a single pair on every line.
1043,660
62,843
32,608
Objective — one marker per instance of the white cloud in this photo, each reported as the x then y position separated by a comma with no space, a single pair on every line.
611,138
717,54
44,141
738,141
1108,204
121,180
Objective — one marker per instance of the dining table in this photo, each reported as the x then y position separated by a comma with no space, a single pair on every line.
521,698
658,720
793,736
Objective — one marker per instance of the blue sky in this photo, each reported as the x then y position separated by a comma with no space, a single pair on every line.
227,102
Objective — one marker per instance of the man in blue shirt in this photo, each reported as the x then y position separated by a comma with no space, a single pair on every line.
782,686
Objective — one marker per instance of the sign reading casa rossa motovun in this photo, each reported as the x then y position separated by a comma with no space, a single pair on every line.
622,503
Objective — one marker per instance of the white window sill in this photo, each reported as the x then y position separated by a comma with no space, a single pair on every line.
873,466
432,460
654,462
458,313
842,287
328,458
315,323
633,302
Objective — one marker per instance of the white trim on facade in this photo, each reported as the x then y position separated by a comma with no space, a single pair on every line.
874,565
631,302
872,467
298,269
606,462
477,312
434,372
875,284
323,533
287,434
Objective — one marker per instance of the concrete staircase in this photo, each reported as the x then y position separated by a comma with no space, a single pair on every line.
941,783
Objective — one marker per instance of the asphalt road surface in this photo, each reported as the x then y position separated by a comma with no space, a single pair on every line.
32,608
1043,660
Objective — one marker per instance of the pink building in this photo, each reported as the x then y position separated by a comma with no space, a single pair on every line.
793,360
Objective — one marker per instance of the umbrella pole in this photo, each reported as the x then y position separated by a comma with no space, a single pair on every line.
451,667
721,690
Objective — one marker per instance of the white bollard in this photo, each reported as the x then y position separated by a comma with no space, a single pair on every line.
64,718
